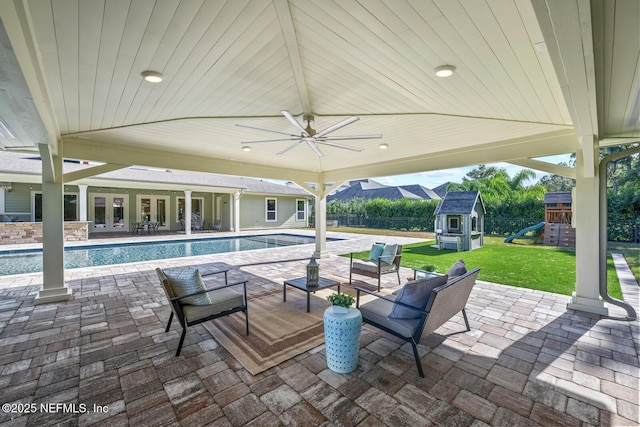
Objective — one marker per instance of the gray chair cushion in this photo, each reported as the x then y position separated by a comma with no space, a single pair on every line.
457,269
221,300
416,294
371,266
377,311
185,281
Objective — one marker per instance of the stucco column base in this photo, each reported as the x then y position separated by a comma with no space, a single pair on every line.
590,305
320,254
53,295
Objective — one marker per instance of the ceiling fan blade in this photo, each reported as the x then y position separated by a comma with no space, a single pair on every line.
337,126
294,145
314,147
346,147
295,122
337,138
270,140
265,130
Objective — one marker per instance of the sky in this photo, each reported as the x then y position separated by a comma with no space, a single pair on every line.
433,179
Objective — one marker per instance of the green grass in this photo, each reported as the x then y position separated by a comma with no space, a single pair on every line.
544,268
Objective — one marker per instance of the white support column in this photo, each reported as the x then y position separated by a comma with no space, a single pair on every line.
82,201
321,226
187,212
587,218
236,211
53,286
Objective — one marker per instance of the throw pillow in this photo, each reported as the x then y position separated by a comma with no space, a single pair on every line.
376,251
388,254
457,269
185,281
416,294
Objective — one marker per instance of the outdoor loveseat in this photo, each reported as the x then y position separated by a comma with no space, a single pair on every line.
428,304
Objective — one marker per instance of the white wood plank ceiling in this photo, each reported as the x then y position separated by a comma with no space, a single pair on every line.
242,62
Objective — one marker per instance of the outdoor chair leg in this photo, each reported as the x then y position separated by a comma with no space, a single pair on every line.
466,320
417,357
246,319
184,332
169,324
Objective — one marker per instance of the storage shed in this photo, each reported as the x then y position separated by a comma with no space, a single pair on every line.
459,221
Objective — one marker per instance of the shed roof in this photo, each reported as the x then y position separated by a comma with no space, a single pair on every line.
459,202
558,197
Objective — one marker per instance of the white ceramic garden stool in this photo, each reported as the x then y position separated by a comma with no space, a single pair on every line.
342,339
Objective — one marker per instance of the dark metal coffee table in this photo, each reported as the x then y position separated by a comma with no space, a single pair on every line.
301,283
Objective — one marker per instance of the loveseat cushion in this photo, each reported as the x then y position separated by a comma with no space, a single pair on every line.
415,293
457,269
185,281
377,311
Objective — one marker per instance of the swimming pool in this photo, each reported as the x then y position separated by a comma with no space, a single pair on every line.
30,261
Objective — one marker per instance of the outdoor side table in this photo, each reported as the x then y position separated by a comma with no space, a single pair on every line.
342,339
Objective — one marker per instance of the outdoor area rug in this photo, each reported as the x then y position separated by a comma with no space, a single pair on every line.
278,330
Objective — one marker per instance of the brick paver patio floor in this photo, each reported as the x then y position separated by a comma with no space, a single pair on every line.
526,361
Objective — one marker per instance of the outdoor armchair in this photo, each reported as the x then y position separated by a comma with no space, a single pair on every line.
200,304
440,300
379,263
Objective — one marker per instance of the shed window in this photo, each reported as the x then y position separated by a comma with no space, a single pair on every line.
453,224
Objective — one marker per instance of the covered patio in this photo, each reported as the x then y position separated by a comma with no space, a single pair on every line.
530,79
526,361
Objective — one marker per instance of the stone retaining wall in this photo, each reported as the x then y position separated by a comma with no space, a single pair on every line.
12,233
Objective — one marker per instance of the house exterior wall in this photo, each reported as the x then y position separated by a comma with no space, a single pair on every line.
18,207
253,212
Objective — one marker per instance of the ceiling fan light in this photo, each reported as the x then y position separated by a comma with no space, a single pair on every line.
152,76
383,146
444,70
246,148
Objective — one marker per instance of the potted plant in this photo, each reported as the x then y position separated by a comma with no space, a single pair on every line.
341,302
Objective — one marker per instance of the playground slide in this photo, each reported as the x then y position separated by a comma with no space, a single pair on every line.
523,231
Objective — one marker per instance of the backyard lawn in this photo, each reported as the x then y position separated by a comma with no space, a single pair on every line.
545,268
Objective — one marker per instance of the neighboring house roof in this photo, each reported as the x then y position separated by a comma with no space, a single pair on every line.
368,189
558,197
19,164
424,192
459,202
441,189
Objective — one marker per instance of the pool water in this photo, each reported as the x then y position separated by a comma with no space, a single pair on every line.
30,261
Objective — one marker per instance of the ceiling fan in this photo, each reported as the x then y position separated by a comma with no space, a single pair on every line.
310,137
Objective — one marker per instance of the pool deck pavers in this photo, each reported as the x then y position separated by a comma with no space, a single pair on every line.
526,361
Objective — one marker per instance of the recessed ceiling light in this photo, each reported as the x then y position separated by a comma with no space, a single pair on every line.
152,76
444,70
383,146
246,148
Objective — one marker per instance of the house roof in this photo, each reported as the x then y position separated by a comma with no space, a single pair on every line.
368,189
459,202
441,189
19,166
424,192
558,197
